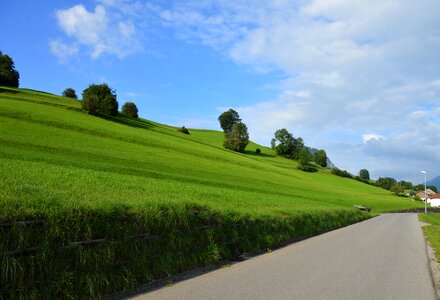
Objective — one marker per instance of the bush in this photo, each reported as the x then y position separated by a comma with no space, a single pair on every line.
183,129
238,138
130,109
320,157
258,151
8,75
100,99
341,173
307,168
286,145
70,93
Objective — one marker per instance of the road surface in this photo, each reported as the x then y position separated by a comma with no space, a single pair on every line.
381,258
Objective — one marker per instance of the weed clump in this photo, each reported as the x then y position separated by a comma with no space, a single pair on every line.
183,129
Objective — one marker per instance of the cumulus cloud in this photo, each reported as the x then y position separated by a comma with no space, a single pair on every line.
371,136
103,30
370,70
62,50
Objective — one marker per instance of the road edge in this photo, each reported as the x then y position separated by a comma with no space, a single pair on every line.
434,267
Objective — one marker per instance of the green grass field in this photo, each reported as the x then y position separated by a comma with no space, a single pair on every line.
91,178
432,232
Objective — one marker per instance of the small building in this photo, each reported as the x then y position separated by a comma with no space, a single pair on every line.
421,194
434,200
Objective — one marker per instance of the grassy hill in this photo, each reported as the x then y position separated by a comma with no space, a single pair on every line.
108,179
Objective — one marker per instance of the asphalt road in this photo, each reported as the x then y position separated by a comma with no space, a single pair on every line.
382,258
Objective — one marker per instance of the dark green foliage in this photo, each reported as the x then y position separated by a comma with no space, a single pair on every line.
286,145
406,185
421,187
307,168
86,253
397,189
130,109
320,157
386,182
228,119
341,173
100,99
238,138
70,93
364,174
304,159
8,75
258,150
183,129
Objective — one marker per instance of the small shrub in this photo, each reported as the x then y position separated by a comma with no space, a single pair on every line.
70,93
130,109
341,173
183,129
258,151
307,168
100,99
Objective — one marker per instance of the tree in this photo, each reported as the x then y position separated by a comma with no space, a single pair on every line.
100,99
320,157
286,145
342,173
364,174
304,159
8,75
397,189
228,119
386,182
70,93
130,109
238,138
406,185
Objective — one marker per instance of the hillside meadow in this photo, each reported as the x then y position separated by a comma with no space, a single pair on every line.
93,205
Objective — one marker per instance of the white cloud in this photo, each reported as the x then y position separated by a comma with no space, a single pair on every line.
102,31
371,136
61,50
351,69
368,66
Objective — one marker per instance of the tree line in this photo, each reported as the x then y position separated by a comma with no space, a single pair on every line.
284,143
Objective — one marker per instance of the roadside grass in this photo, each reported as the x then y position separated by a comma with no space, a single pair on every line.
125,201
432,232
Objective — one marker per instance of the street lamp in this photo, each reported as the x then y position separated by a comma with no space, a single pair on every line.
426,196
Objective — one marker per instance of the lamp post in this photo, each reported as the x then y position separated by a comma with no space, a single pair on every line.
426,196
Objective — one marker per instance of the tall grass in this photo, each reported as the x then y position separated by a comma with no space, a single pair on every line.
121,201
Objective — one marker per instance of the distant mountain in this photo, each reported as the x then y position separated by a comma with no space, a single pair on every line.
435,182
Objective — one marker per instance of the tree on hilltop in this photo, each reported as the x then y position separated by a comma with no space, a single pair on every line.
238,138
8,75
320,157
130,109
100,99
70,93
228,119
286,145
364,174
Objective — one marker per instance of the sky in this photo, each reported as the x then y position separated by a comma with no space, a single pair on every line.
359,79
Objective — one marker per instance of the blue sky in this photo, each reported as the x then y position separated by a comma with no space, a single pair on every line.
360,79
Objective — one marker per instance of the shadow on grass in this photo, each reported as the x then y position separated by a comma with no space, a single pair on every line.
125,120
5,89
253,153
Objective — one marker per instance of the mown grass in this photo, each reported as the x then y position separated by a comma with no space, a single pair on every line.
119,178
432,232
